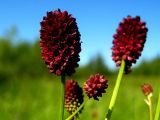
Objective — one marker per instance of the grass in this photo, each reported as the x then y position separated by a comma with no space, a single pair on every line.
28,99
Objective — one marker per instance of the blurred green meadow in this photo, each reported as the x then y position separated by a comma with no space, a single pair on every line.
39,99
29,92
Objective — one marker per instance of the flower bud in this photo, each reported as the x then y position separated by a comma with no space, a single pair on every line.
73,96
95,86
146,89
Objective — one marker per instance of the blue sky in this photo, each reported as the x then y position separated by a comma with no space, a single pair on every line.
97,21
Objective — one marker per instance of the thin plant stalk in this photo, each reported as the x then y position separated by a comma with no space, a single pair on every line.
150,106
157,109
82,105
115,91
63,95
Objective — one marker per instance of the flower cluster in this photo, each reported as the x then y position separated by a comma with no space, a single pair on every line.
73,96
95,86
60,47
129,41
60,42
146,89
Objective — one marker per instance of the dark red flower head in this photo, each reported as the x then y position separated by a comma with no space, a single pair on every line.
73,96
129,41
146,89
95,86
60,42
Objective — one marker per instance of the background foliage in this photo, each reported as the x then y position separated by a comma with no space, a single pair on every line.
23,60
29,92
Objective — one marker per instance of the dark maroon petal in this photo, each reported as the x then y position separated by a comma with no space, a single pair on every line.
129,41
60,42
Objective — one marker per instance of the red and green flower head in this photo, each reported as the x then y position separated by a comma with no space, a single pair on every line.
129,41
60,42
73,96
95,86
147,89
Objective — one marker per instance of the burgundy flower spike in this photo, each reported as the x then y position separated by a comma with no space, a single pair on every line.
60,42
73,96
129,41
95,86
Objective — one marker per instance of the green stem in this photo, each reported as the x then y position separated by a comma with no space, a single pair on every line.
71,116
150,107
157,109
63,95
115,91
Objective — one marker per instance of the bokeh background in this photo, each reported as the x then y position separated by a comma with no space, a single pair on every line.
29,92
